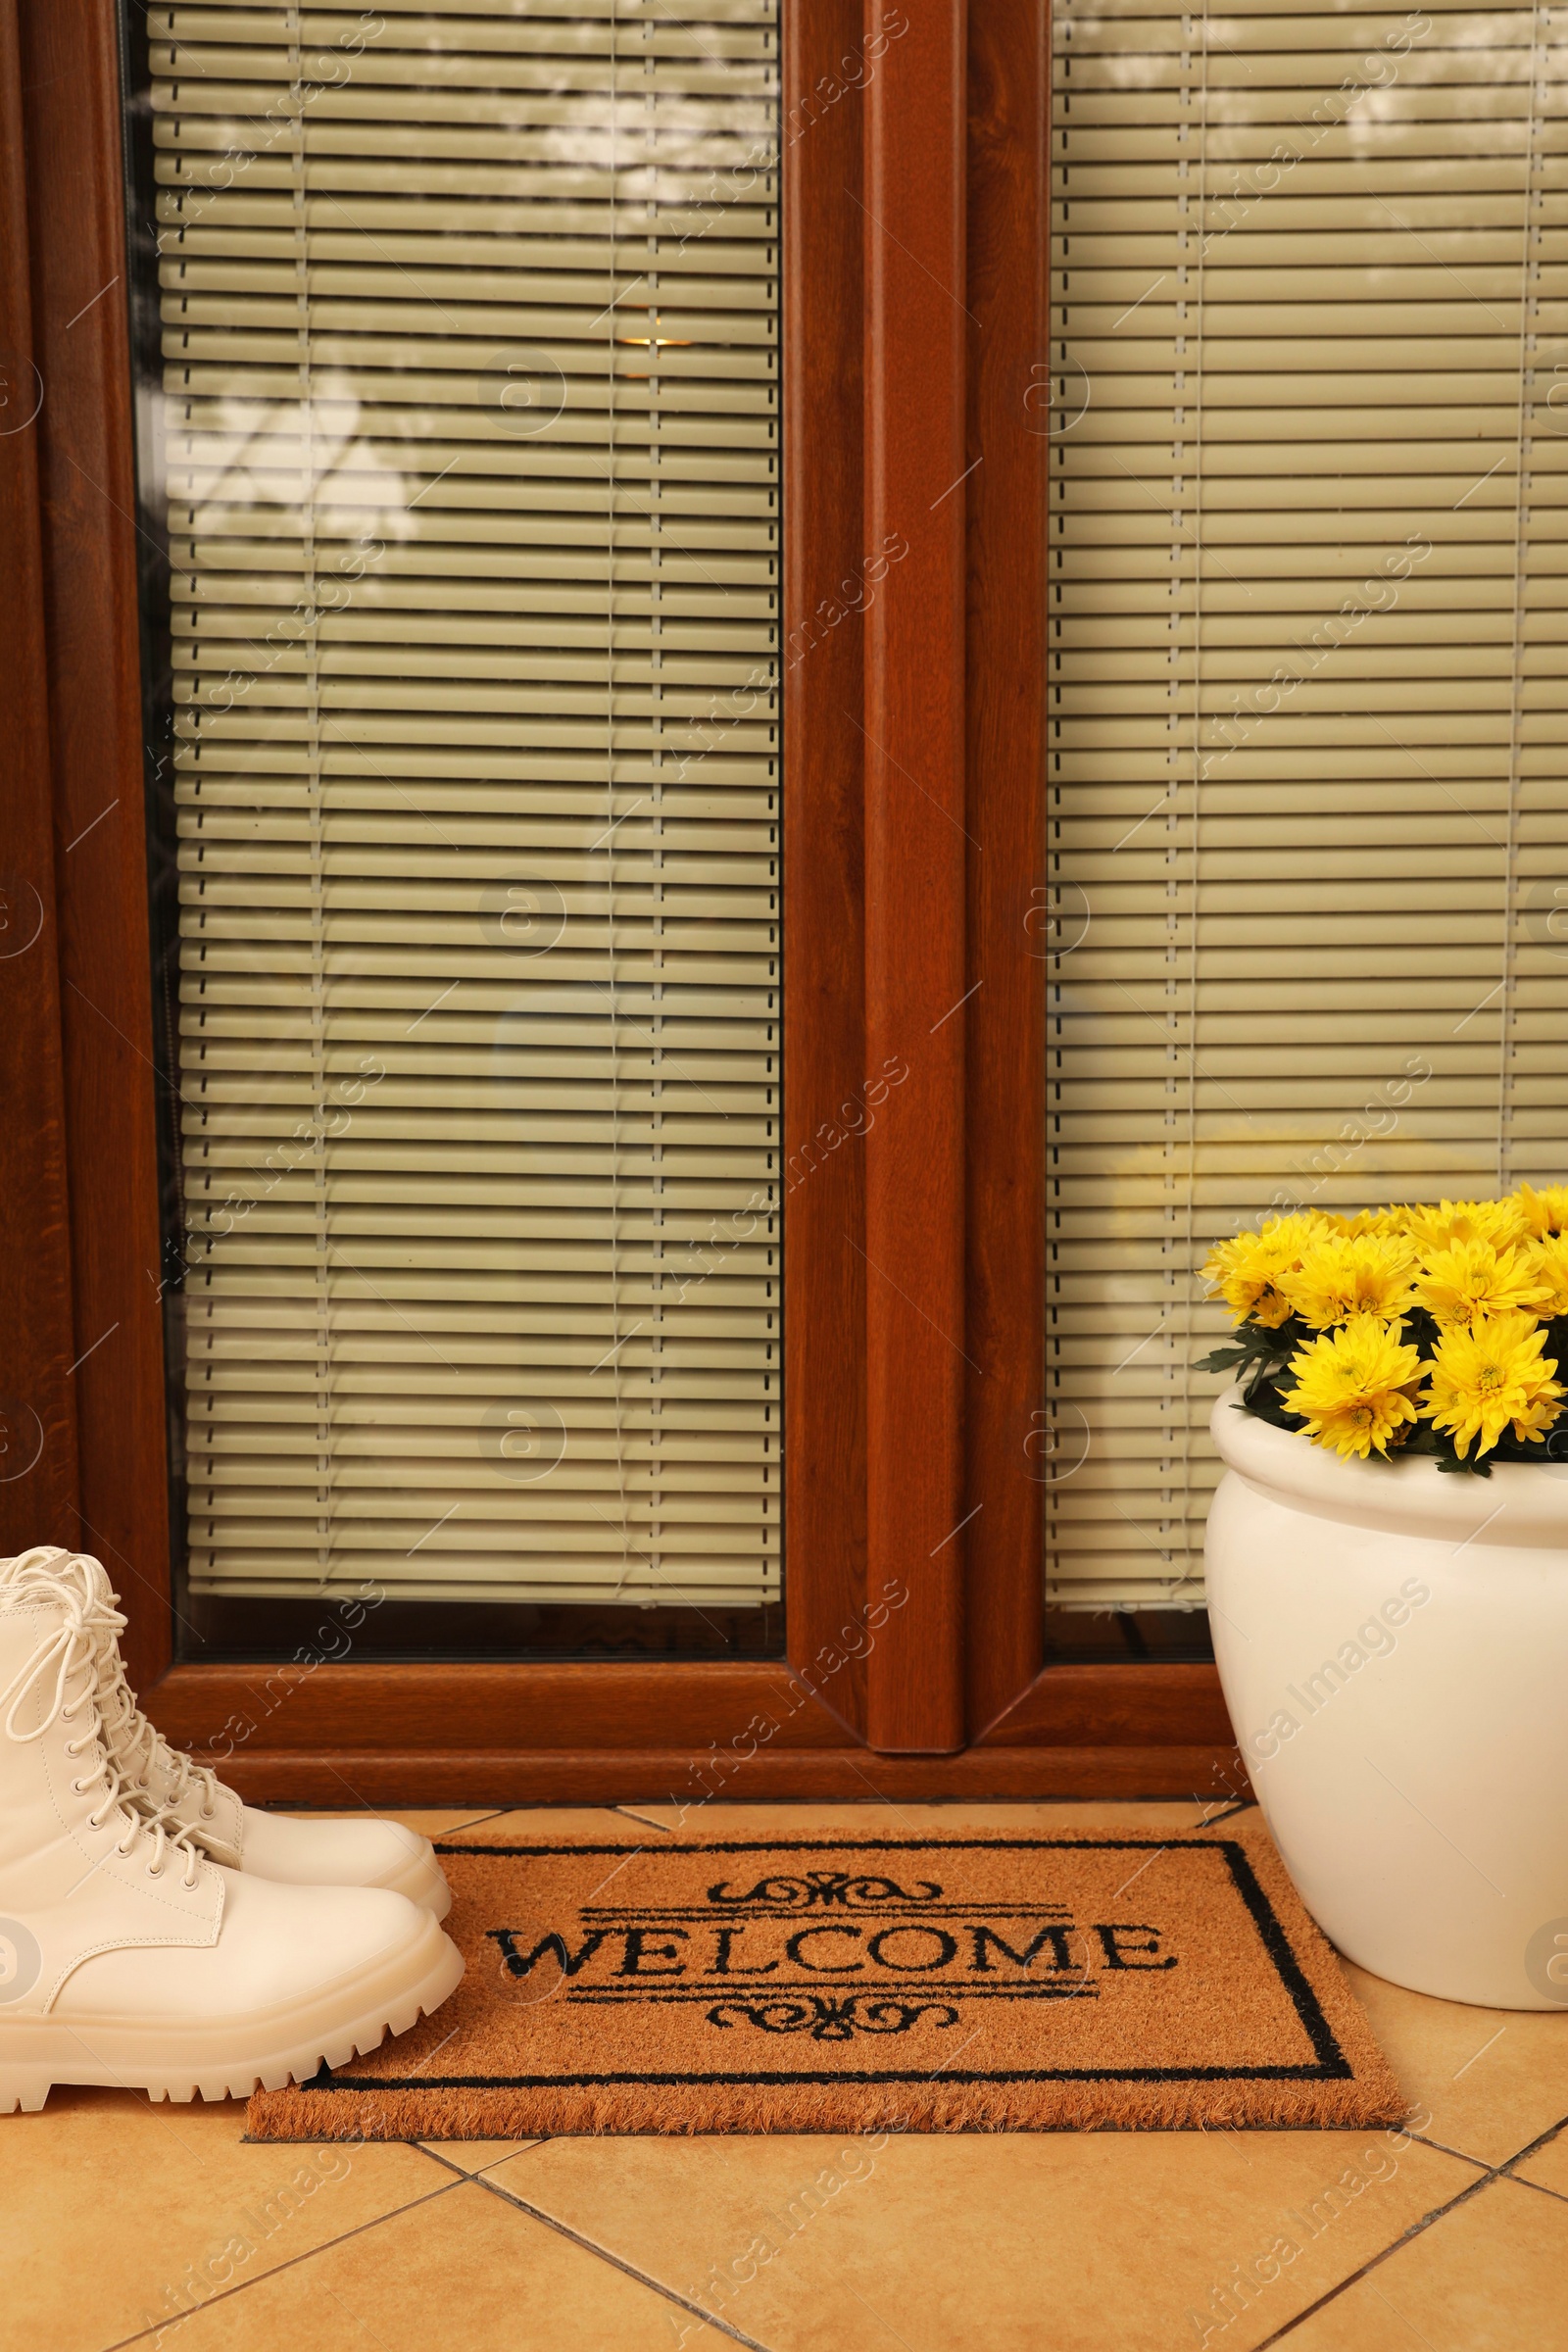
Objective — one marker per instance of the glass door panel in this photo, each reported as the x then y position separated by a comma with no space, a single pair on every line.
457,348
1307,712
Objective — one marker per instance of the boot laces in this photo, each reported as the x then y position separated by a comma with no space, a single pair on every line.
70,1649
137,1746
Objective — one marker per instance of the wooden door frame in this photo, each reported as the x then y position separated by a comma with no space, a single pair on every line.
914,300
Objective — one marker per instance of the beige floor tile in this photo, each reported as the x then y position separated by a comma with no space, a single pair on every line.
437,1824
1549,2167
1008,2242
883,1816
554,1821
430,1822
540,1821
1490,2080
476,2155
1490,2277
465,2272
107,2201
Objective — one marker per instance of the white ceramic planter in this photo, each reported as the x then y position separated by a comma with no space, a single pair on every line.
1392,1643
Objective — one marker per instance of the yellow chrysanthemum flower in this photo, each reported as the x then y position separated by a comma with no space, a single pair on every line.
1546,1211
1246,1270
1368,1275
1497,1222
1353,1384
1549,1262
1491,1375
1375,1220
1472,1278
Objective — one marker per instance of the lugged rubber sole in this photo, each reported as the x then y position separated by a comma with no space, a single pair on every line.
232,2058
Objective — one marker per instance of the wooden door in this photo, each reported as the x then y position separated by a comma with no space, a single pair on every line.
916,586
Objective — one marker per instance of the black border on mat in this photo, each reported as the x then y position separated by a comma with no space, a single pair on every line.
1331,2063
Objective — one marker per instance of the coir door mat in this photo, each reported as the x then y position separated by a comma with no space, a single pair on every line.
1094,1977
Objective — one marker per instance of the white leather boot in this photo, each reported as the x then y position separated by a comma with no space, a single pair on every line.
190,1797
125,1956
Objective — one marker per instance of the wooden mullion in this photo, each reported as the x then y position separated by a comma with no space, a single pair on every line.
915,985
1008,121
823,1177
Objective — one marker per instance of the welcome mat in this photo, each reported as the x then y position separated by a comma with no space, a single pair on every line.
1094,1977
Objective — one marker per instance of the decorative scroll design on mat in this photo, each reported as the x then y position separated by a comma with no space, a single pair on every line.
842,1889
830,2018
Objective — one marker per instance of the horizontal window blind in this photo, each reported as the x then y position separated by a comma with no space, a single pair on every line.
1309,914
469,432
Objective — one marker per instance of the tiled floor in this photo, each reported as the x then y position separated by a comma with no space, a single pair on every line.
1454,2236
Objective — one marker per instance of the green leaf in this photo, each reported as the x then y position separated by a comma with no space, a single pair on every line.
1262,1399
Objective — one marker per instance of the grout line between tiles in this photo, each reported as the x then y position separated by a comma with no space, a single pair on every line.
1374,2261
1539,2187
1443,2149
449,2165
1542,2141
1489,2174
710,2319
630,1813
227,2294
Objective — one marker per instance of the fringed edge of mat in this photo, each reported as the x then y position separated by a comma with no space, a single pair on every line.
1368,2101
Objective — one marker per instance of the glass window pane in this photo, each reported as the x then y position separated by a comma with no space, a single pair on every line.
1307,781
459,427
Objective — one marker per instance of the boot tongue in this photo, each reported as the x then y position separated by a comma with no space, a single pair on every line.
215,1822
38,1555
